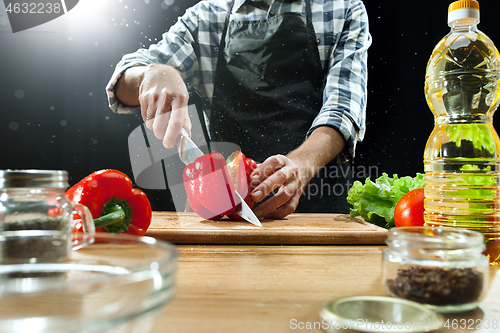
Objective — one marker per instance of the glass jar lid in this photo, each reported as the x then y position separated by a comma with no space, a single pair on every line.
57,179
377,314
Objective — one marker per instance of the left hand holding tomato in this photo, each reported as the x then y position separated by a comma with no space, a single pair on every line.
409,211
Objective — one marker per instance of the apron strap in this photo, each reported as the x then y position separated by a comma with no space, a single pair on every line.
308,11
224,31
222,45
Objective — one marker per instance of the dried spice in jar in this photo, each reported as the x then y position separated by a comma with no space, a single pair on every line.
437,286
42,239
36,218
443,268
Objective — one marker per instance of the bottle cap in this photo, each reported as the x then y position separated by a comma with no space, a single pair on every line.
463,9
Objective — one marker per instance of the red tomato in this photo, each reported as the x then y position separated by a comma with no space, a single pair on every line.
409,211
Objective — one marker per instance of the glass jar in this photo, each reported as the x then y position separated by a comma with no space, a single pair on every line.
442,268
36,218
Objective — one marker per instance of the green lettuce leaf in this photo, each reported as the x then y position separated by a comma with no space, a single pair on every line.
375,201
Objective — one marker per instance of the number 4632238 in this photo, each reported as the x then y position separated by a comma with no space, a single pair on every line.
474,324
33,8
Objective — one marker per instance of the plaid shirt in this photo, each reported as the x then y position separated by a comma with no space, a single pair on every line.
341,27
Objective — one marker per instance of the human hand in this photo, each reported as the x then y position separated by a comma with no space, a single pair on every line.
163,98
277,171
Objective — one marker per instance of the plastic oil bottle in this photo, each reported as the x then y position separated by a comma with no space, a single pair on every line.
461,159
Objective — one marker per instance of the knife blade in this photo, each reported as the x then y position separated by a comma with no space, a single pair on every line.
189,152
246,212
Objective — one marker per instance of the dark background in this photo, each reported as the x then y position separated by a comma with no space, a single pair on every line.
53,106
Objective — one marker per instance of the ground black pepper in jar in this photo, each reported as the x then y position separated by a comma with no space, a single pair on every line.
443,268
41,239
36,218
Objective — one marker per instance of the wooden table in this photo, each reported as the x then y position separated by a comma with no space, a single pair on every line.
275,288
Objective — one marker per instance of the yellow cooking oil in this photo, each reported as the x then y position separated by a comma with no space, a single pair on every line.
461,159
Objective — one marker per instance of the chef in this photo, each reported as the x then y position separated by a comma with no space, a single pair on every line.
283,79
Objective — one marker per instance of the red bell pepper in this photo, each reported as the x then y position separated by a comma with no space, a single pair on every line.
115,206
240,168
211,184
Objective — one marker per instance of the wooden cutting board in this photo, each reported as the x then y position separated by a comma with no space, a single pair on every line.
189,228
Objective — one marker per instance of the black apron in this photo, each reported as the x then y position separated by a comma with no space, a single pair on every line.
268,88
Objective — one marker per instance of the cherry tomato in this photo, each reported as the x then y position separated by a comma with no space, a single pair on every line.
409,211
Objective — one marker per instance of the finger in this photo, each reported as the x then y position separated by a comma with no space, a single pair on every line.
147,110
149,122
280,177
160,124
176,123
179,113
286,209
161,114
145,113
282,203
259,178
268,167
144,108
187,123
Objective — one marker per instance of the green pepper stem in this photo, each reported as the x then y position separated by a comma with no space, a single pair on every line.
116,216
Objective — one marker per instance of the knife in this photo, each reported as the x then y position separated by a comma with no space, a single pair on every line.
189,152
